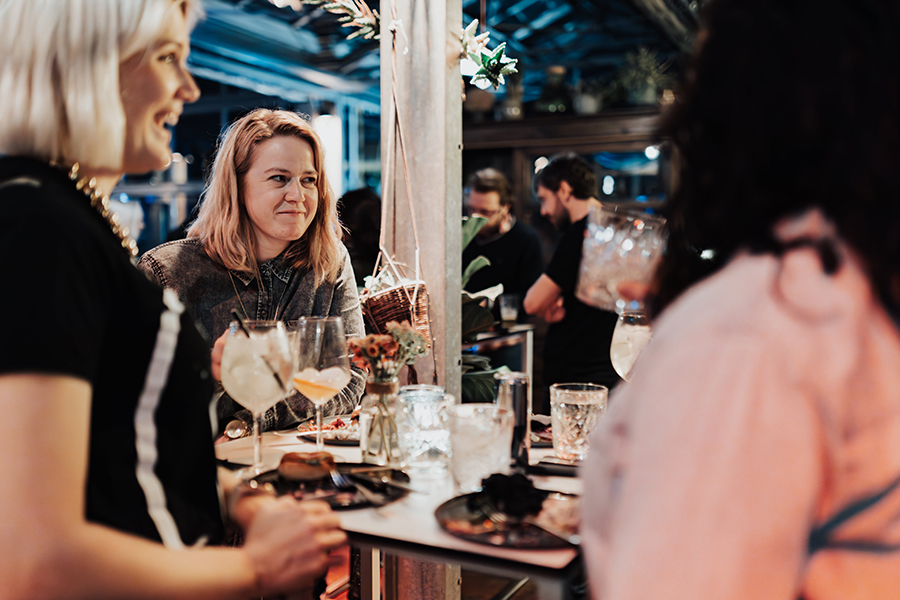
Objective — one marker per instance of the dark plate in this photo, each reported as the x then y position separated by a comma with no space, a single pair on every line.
458,519
327,440
324,489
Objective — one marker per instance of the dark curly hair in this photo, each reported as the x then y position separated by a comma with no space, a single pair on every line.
572,169
787,105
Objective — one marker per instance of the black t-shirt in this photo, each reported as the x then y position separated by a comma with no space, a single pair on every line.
516,261
76,306
576,348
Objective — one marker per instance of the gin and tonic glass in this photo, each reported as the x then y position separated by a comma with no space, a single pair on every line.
631,334
256,371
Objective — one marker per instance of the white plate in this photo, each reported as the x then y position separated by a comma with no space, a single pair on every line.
328,433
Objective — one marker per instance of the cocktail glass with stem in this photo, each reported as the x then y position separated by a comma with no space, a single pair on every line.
631,334
256,371
323,366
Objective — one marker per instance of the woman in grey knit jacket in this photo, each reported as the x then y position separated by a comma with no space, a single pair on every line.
266,243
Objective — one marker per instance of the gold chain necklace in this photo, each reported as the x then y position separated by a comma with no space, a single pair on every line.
100,201
259,283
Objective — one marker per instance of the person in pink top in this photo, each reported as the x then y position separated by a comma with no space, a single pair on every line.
755,454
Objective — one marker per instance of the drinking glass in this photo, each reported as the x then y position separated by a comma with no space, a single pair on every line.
256,371
323,367
509,309
480,438
620,245
575,409
631,334
422,432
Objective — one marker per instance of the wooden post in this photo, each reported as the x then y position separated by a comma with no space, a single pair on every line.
420,50
422,36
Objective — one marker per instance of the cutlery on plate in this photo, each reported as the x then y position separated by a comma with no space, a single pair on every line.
342,482
498,517
372,469
384,480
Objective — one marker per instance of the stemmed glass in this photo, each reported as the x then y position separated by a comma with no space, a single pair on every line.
323,367
256,370
631,334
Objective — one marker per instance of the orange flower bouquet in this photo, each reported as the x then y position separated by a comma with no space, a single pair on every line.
384,356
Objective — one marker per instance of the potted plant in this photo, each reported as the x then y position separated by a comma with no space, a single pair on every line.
640,80
477,374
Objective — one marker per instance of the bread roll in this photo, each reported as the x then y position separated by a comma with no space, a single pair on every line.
305,466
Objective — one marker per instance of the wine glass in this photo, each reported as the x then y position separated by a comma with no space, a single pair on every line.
631,334
323,367
256,371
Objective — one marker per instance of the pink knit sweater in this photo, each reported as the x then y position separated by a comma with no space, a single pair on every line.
767,401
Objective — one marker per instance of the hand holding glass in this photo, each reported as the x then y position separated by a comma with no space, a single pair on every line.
256,370
323,367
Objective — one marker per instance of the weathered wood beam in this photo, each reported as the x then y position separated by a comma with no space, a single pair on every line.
425,80
420,50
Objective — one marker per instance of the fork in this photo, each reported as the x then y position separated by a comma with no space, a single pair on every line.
498,517
342,482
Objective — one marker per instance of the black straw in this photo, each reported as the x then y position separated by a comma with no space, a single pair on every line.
237,317
246,330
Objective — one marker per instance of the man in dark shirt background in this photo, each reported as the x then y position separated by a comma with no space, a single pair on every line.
513,248
576,349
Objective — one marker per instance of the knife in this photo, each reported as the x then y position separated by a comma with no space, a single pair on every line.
384,480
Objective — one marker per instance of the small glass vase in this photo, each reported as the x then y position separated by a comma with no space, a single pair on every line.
378,424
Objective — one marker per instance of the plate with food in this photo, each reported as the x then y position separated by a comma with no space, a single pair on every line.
307,476
511,512
341,430
541,432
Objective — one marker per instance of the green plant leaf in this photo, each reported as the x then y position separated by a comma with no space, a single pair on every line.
470,228
476,361
478,263
490,293
480,386
475,319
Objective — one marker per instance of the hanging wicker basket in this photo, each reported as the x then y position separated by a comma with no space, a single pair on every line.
404,301
399,303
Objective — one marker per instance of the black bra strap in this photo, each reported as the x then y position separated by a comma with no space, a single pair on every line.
823,246
820,536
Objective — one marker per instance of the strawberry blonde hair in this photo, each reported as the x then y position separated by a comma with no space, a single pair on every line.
59,76
223,224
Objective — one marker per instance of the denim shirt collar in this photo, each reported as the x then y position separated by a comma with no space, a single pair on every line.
276,266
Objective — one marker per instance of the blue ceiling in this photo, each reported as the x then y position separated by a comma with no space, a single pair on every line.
255,45
302,55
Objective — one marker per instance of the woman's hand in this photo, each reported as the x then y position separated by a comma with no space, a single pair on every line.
288,543
216,356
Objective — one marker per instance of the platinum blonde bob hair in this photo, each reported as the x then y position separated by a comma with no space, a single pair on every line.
59,75
223,224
